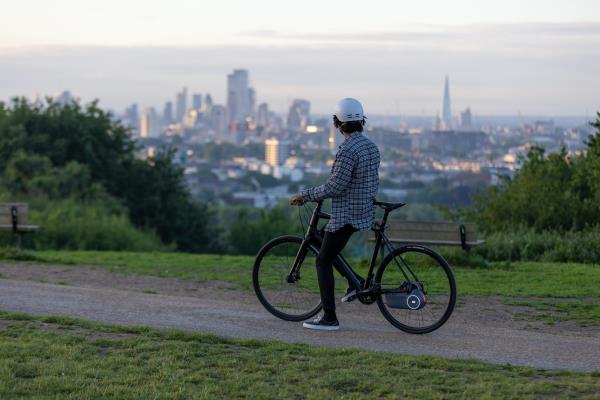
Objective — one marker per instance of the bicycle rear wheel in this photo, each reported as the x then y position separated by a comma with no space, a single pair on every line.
418,290
290,298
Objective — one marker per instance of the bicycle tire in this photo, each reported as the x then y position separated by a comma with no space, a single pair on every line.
261,291
439,261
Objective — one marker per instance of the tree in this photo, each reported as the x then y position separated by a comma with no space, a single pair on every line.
68,150
548,192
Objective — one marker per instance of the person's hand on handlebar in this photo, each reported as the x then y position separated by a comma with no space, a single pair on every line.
297,200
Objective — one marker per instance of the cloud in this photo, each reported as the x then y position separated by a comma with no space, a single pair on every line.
521,35
494,69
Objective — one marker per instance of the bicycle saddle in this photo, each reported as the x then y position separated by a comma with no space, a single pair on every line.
388,206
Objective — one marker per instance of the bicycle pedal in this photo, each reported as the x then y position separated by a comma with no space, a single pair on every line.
349,298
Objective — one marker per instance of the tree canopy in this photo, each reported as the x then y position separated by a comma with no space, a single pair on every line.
56,151
550,191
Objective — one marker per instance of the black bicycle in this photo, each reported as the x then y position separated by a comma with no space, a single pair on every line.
414,286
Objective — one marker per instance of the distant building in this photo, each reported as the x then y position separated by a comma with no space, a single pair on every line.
239,96
167,117
64,98
197,101
192,118
180,105
544,127
252,99
208,103
218,119
131,117
299,114
149,124
437,124
447,111
262,116
276,151
386,138
335,139
447,142
466,119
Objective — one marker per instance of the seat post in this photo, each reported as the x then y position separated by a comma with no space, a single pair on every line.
386,213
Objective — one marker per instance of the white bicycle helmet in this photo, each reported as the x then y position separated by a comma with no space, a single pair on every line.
349,109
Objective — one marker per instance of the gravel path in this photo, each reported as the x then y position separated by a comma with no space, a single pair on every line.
232,314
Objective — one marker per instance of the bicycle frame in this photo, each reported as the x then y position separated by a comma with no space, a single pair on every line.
313,236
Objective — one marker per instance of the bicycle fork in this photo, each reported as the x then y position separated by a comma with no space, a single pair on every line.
294,274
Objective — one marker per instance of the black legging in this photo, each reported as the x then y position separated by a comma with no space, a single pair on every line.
333,243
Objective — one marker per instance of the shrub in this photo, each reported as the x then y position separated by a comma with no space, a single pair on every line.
251,230
552,246
75,225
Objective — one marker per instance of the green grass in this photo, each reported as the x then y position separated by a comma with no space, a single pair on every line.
502,279
200,267
59,357
584,313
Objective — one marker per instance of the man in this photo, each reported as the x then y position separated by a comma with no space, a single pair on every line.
352,187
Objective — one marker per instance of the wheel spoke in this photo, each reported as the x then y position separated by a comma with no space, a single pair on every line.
287,300
436,279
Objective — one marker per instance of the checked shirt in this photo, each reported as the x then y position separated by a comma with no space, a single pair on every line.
352,185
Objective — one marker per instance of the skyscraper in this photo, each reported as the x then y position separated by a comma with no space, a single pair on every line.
218,119
447,112
167,117
252,101
149,124
466,119
239,96
131,117
180,105
262,116
196,101
299,114
208,103
276,152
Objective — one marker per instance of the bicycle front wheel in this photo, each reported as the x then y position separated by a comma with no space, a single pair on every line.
418,290
292,298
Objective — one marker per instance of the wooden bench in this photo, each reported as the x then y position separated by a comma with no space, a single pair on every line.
15,217
433,233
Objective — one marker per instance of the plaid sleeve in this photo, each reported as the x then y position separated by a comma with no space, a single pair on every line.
339,181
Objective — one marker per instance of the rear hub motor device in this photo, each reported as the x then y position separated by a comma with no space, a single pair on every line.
407,297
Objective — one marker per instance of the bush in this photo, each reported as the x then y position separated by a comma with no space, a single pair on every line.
551,246
251,230
74,225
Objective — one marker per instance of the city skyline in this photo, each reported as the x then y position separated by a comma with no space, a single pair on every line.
383,91
504,58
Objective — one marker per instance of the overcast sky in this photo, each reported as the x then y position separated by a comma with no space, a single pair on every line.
539,57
